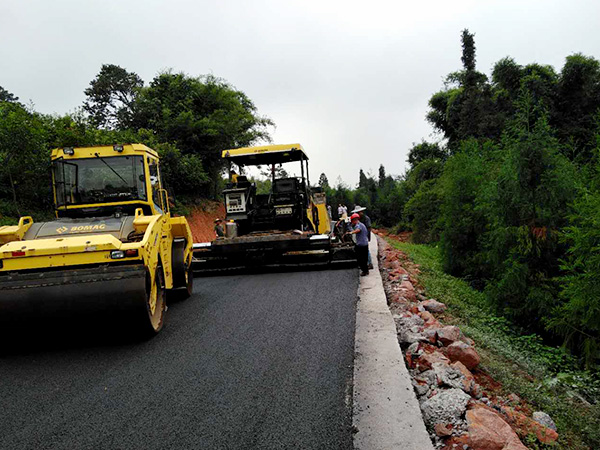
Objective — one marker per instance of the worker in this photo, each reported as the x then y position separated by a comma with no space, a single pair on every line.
234,176
360,210
362,243
219,228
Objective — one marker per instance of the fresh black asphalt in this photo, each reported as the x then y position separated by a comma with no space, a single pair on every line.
250,361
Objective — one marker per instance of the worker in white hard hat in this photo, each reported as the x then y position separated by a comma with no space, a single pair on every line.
360,210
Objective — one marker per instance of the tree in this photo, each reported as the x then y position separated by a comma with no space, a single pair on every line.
280,172
24,174
468,56
323,181
461,221
6,96
362,179
466,107
425,150
111,97
526,208
577,319
381,176
422,211
202,116
578,102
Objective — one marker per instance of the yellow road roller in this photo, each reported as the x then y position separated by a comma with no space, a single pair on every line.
114,247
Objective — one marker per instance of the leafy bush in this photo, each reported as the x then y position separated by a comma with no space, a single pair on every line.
423,211
461,221
578,318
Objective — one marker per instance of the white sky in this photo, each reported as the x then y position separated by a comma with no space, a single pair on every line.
348,80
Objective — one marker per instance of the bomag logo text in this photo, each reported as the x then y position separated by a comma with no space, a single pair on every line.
82,228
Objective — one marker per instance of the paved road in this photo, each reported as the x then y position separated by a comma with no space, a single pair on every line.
250,361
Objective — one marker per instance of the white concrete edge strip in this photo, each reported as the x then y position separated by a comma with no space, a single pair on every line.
386,413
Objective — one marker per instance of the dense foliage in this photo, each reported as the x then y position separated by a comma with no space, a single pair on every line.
511,192
188,120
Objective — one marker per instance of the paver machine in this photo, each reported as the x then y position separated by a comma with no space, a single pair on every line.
287,226
114,247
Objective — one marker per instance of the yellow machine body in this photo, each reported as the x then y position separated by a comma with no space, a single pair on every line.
127,233
288,226
269,155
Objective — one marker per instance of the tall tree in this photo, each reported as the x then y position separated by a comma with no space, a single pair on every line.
468,57
362,179
202,115
111,97
528,205
465,108
425,150
578,102
6,96
323,181
381,176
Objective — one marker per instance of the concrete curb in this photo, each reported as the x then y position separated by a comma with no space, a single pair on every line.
386,411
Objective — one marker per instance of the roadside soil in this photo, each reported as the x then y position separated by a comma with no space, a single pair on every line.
202,220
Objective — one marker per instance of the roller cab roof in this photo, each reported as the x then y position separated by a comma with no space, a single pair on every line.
102,150
265,154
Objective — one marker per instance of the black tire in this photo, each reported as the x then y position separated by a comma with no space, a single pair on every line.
179,266
151,314
183,277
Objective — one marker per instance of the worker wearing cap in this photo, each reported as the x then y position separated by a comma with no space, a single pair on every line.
360,210
219,228
362,243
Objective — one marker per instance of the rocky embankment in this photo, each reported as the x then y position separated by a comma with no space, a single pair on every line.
463,407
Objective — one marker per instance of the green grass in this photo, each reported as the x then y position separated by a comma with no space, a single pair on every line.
546,377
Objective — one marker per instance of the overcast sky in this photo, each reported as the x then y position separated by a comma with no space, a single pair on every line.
348,80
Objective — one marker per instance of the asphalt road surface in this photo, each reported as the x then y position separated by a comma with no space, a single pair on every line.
250,361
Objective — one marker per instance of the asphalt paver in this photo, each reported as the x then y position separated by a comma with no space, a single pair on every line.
249,361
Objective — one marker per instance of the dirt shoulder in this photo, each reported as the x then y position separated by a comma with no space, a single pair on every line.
202,220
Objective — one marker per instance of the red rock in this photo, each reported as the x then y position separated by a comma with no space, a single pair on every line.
427,348
426,360
411,361
449,334
431,334
529,426
433,306
459,351
395,297
408,291
456,442
443,429
488,431
407,285
430,321
469,381
426,316
398,269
